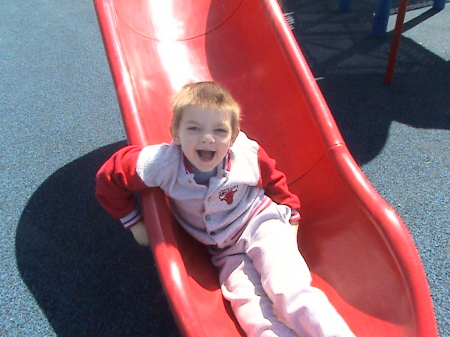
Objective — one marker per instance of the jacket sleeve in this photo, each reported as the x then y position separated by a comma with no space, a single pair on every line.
275,184
116,182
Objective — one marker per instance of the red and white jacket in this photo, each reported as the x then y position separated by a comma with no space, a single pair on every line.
246,183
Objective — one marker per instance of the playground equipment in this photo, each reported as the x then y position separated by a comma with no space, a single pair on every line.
380,23
360,252
437,5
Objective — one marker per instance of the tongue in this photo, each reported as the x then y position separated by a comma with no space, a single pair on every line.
206,155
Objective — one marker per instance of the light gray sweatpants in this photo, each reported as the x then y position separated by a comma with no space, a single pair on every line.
268,283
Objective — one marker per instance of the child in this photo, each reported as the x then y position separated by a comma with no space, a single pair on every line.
225,191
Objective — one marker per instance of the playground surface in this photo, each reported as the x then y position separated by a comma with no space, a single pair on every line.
65,275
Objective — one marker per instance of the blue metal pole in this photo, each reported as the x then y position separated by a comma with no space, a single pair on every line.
438,4
345,5
381,17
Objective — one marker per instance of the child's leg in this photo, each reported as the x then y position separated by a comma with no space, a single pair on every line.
287,281
241,286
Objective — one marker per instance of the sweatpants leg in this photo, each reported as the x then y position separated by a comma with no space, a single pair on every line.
286,280
241,286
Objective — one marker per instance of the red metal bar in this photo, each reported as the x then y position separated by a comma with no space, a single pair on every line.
395,42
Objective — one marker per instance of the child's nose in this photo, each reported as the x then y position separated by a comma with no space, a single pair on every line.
207,138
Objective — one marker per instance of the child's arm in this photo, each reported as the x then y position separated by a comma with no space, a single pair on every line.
275,185
119,178
115,183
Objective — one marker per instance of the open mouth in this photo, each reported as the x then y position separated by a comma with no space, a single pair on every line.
205,155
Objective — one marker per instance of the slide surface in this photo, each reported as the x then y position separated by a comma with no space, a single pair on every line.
358,249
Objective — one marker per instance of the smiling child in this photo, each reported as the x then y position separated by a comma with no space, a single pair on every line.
225,191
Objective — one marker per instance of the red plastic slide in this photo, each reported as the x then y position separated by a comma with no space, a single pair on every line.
358,249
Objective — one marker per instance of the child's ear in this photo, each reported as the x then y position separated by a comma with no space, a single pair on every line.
175,136
235,135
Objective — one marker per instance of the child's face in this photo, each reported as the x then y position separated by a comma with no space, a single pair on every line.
205,135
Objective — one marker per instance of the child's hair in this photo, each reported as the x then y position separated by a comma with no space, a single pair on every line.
206,94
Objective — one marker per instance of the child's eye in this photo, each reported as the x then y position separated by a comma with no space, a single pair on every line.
221,130
193,128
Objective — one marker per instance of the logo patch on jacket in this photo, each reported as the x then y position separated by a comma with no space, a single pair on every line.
228,194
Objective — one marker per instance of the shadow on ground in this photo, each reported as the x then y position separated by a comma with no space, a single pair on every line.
86,272
349,63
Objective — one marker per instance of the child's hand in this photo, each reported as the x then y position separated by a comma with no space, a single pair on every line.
140,233
294,227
